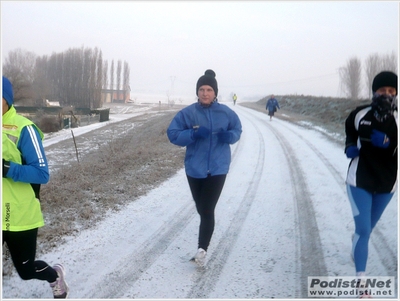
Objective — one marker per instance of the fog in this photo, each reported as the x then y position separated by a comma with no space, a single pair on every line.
256,48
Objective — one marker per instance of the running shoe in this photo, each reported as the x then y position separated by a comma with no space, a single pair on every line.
200,256
60,287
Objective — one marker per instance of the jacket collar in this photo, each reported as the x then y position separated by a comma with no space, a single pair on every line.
9,114
207,106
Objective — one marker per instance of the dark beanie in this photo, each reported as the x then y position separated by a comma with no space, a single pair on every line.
384,79
8,93
207,79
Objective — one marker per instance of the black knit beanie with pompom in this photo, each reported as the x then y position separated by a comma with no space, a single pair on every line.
207,79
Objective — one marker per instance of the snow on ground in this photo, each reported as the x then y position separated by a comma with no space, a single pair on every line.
283,216
117,114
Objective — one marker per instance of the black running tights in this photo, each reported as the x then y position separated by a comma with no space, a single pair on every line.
206,193
22,247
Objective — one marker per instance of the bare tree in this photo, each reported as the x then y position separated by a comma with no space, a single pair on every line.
92,78
41,85
376,63
372,67
54,76
75,77
99,81
105,81
126,86
19,68
389,62
67,73
112,80
119,70
87,62
350,77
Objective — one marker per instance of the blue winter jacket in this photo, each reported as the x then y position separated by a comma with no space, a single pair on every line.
272,104
205,156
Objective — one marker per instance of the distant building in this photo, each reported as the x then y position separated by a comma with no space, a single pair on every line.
52,103
116,96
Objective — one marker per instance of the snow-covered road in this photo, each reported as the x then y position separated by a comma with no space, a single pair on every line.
283,216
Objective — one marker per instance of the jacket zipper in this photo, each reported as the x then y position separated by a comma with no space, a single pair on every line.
209,146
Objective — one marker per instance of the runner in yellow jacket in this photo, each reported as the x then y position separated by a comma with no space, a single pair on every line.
24,169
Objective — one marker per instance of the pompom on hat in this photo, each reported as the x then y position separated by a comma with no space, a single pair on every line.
8,93
384,79
207,79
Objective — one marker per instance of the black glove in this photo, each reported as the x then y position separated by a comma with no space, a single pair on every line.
6,167
201,132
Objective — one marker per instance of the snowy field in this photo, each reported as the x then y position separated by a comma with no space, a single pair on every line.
283,215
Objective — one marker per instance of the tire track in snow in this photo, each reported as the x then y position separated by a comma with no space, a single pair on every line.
311,255
131,268
331,168
387,256
207,276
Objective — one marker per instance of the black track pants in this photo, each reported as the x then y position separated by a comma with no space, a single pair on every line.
206,193
22,246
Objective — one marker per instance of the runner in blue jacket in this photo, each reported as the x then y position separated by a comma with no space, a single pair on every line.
206,128
271,106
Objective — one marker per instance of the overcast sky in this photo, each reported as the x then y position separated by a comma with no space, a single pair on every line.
255,47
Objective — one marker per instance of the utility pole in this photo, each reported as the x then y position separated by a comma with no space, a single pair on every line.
172,84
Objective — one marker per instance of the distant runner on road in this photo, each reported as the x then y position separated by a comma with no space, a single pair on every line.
271,106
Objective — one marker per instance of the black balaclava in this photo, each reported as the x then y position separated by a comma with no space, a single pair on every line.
384,105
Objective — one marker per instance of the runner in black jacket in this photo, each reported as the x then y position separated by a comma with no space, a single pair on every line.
371,144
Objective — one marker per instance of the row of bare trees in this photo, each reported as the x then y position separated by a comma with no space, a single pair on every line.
351,78
75,77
